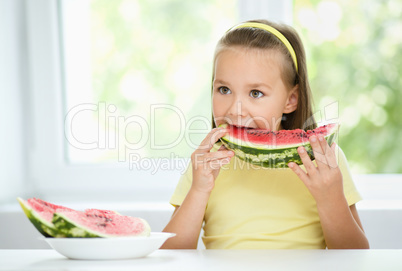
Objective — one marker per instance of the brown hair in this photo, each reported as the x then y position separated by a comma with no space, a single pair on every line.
247,37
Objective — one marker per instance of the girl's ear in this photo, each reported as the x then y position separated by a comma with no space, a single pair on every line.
293,98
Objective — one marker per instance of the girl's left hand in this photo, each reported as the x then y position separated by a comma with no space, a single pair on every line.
324,181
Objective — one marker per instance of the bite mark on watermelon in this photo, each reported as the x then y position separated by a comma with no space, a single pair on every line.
274,149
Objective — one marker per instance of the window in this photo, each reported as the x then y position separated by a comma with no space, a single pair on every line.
102,71
120,90
136,77
136,84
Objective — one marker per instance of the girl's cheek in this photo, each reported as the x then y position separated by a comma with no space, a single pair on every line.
218,105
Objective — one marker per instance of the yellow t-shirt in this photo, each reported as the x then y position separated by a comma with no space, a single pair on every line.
252,207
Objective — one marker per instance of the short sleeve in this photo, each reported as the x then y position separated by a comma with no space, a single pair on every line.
351,194
182,187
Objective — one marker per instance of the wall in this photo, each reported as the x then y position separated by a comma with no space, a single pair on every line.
13,82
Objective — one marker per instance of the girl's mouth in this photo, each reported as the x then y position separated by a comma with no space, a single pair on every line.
242,126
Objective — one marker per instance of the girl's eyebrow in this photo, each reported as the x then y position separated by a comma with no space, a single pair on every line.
258,85
220,82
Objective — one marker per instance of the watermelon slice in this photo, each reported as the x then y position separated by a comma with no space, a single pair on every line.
271,149
58,221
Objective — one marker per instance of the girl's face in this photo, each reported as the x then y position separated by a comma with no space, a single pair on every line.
248,89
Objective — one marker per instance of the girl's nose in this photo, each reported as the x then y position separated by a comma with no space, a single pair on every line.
237,108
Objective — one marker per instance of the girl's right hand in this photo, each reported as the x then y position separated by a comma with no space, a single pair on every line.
206,164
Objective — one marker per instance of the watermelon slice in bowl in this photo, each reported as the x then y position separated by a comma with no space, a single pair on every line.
99,224
53,220
92,234
273,149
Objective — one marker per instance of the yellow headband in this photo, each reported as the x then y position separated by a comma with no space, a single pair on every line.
272,30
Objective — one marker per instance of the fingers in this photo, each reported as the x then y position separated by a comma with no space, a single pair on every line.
324,154
209,141
203,159
299,172
321,154
328,152
217,164
319,151
213,160
222,148
213,156
308,164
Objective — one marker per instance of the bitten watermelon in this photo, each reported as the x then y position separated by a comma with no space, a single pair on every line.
271,149
58,221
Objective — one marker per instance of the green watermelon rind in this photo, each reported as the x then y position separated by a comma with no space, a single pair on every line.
45,228
70,229
269,157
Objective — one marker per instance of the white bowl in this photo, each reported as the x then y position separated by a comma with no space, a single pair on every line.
108,248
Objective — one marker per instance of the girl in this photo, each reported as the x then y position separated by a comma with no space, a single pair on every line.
260,81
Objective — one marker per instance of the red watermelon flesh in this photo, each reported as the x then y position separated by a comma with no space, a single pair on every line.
273,149
46,209
100,223
277,139
100,212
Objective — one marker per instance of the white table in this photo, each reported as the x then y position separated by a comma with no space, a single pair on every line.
379,260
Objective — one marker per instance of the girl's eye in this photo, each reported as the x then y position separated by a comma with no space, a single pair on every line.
224,90
256,94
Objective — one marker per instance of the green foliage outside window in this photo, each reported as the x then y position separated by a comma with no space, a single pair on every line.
147,53
354,58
